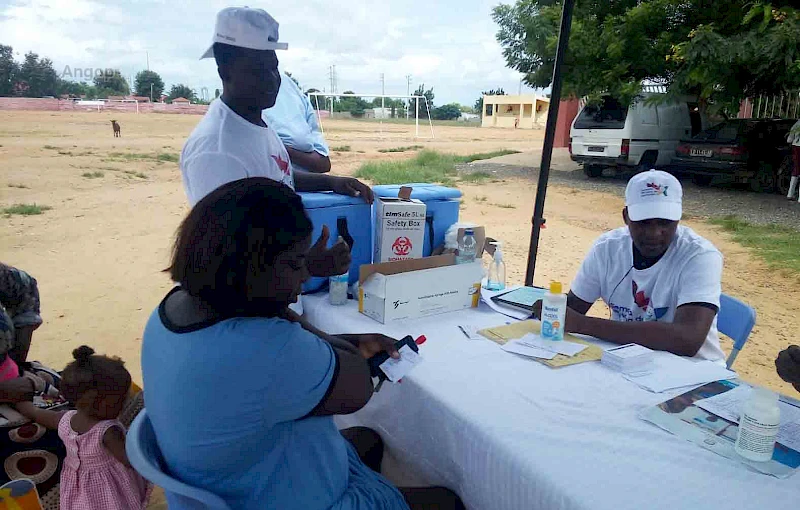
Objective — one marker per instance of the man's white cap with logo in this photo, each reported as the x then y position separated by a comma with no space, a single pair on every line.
654,195
246,28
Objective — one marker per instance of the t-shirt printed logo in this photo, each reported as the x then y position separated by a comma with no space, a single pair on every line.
646,304
652,189
283,165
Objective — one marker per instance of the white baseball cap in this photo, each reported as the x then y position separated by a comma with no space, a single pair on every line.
246,28
654,195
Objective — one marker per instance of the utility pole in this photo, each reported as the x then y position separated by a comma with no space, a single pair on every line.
383,93
151,91
408,93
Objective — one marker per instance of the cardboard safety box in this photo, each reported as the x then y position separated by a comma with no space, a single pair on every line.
418,288
399,227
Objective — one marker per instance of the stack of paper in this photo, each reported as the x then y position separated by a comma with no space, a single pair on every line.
671,371
628,359
534,346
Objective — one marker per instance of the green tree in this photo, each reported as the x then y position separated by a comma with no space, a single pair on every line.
450,111
111,83
76,89
428,94
181,90
718,51
355,105
38,75
149,84
8,70
479,103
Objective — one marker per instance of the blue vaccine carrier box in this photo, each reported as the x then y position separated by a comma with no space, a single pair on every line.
349,217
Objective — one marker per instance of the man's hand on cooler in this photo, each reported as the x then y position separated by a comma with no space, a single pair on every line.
352,188
325,262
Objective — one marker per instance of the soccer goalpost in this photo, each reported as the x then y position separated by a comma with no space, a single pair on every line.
324,96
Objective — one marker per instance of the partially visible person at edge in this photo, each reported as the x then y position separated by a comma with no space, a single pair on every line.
660,280
254,423
295,121
232,141
19,317
794,138
788,365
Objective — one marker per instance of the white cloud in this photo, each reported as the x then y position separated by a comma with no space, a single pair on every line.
448,45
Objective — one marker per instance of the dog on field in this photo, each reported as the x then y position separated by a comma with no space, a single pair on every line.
115,125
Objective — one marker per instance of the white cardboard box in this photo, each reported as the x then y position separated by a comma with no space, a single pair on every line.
399,229
418,288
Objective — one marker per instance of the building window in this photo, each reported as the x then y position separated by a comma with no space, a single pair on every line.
489,110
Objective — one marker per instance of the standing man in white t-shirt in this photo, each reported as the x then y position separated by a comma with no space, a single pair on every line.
233,142
661,281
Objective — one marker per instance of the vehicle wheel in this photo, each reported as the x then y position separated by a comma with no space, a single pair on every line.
593,171
784,176
702,180
648,161
765,180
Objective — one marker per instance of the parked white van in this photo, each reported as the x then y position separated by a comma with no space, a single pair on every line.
636,137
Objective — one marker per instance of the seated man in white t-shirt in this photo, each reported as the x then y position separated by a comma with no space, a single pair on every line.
661,281
295,121
233,142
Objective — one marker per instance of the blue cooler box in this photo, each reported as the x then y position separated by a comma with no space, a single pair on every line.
349,217
442,209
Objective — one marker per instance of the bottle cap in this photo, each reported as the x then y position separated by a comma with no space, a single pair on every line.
764,395
555,288
469,232
421,340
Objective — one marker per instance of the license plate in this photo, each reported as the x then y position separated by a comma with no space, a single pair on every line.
596,149
704,153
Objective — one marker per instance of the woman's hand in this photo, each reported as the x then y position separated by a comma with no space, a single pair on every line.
370,344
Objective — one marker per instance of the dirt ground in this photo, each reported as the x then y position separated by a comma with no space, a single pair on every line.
98,253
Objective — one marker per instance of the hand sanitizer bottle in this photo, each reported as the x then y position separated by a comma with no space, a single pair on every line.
758,426
497,269
554,313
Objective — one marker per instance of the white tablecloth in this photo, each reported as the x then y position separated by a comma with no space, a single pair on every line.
507,433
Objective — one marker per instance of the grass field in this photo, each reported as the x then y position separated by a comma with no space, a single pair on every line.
778,246
426,166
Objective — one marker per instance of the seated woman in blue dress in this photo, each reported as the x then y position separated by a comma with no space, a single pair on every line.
241,391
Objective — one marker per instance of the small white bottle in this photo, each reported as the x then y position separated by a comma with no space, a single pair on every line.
554,313
497,269
758,426
337,286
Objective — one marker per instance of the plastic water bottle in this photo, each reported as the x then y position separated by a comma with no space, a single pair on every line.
467,248
497,269
337,286
554,313
758,426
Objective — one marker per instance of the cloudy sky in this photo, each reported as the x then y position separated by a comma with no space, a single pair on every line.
447,44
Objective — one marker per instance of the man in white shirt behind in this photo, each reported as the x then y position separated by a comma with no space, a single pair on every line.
233,142
660,280
295,121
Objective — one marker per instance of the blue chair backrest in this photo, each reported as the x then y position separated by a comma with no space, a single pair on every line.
736,320
145,457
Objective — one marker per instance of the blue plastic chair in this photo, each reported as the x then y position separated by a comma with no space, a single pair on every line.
736,320
145,457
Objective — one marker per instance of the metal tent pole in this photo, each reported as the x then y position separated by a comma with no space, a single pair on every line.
549,137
